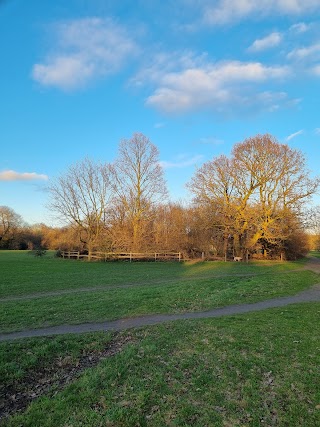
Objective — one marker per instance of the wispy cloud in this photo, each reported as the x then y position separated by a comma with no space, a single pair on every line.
182,162
317,131
164,63
218,86
316,70
300,27
85,49
229,11
268,42
294,135
11,175
310,52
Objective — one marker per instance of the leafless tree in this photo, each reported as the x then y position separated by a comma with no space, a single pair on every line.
138,185
80,197
257,191
10,222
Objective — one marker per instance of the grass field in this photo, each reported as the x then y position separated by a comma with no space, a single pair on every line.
91,292
246,370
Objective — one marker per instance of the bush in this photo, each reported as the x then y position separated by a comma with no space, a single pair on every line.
38,252
58,253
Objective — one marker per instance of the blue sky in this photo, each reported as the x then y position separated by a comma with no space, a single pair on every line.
195,76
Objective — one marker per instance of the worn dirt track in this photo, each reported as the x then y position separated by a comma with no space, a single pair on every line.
309,295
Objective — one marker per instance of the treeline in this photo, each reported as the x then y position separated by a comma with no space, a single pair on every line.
174,228
250,204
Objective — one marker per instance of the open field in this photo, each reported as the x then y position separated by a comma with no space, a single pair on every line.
22,273
246,370
44,292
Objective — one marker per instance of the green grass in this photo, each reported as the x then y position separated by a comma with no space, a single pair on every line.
19,359
23,274
315,254
247,370
156,288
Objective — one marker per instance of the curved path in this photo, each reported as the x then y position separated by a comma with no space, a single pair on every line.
309,295
312,294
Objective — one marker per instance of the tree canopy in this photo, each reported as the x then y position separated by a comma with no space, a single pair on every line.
257,193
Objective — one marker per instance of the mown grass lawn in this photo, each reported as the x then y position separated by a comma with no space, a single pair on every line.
24,274
107,291
248,370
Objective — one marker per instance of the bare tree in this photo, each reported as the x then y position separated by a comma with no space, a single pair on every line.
312,225
256,192
274,179
80,197
10,222
138,185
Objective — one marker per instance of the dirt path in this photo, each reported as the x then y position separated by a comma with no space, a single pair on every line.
313,264
312,294
309,295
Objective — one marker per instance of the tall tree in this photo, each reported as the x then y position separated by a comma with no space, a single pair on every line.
138,184
213,186
274,179
80,197
257,191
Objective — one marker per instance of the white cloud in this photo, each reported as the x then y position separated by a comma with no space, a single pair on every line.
316,70
317,131
221,86
164,63
182,162
86,48
294,135
10,175
268,42
300,27
311,52
228,11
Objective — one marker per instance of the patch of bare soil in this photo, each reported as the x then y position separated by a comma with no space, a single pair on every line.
53,378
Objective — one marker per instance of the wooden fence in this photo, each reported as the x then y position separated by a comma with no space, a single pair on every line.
131,256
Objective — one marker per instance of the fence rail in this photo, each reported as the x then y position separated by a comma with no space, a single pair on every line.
131,256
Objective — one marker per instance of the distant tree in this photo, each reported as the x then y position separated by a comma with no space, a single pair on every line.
312,224
138,186
10,223
255,193
170,227
80,197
